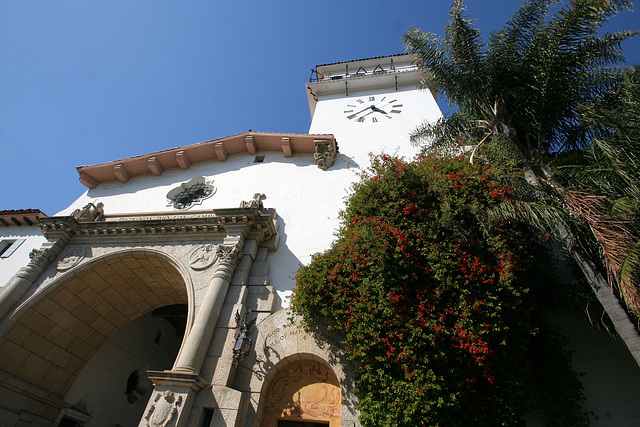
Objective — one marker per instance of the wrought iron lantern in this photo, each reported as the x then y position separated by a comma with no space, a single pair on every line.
242,343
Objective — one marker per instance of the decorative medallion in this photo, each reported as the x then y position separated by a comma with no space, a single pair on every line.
192,193
164,410
203,257
73,258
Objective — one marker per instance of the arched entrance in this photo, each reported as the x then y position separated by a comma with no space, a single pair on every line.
56,334
304,393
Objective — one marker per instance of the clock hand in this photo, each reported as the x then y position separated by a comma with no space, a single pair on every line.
371,107
376,109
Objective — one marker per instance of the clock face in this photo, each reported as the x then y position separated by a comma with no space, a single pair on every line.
372,109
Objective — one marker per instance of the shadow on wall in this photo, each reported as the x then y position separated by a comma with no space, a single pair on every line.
283,266
211,169
113,386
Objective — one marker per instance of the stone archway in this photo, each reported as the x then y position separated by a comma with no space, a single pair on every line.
54,335
304,392
281,344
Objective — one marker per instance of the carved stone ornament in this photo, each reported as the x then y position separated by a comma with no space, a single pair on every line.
41,257
89,213
203,257
73,258
164,409
325,155
255,203
227,254
306,390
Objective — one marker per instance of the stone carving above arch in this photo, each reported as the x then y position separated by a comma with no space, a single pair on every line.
303,390
90,212
255,203
203,257
41,257
282,341
73,258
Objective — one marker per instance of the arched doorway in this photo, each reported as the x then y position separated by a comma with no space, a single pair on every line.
56,335
304,393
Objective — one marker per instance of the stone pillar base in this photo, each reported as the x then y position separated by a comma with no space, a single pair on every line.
172,398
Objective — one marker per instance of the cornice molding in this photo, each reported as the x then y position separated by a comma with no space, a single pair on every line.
254,223
216,149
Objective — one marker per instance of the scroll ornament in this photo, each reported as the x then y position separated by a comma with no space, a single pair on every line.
41,257
227,254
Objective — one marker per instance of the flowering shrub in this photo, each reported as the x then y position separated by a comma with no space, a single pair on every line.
437,303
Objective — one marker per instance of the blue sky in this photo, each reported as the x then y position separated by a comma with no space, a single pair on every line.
85,82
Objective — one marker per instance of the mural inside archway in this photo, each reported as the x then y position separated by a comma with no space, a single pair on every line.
304,390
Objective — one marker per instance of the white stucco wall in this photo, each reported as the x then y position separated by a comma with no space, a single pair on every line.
33,239
307,199
101,385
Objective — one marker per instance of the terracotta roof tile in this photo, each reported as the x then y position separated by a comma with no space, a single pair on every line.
22,211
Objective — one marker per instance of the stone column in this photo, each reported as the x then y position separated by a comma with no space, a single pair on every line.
175,390
197,342
27,276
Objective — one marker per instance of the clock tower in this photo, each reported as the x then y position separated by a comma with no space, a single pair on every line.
370,105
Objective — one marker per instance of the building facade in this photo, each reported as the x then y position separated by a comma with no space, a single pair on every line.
134,307
159,297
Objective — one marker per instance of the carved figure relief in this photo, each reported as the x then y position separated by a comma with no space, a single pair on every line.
41,257
203,257
90,212
304,390
325,155
73,258
164,410
255,203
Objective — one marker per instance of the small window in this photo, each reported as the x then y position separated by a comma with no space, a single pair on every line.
7,247
207,417
259,159
190,193
67,421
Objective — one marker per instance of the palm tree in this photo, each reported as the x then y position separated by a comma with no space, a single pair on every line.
608,173
527,91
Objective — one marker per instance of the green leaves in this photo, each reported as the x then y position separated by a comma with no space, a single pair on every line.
437,301
532,76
